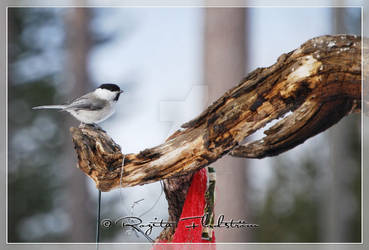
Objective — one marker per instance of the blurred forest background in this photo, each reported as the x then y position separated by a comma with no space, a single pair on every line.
171,62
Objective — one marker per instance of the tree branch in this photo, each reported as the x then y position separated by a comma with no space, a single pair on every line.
320,82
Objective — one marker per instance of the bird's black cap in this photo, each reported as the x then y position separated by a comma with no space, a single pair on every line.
110,86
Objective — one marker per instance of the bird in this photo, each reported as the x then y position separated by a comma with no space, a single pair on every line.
93,107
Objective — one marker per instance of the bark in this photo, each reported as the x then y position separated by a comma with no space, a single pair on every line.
175,192
319,83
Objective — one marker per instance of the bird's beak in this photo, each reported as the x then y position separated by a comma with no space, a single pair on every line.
120,92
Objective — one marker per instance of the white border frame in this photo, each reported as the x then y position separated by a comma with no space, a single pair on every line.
41,4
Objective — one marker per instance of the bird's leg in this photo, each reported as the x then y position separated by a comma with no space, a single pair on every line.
92,125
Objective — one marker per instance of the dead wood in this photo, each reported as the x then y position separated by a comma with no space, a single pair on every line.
318,83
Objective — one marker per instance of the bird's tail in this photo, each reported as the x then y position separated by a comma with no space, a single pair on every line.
50,107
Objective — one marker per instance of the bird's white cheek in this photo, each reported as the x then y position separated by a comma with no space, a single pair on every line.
105,94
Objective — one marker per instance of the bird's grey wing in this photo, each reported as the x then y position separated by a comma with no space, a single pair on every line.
87,102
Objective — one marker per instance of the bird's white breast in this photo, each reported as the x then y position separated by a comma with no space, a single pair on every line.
93,116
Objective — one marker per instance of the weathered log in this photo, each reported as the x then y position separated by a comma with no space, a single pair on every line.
320,83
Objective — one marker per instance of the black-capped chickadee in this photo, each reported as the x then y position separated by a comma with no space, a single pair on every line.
93,107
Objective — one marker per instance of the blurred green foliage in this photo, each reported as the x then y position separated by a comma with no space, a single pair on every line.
36,187
32,183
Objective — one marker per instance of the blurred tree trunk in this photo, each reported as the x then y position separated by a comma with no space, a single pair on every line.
79,204
224,65
339,201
